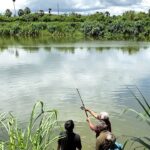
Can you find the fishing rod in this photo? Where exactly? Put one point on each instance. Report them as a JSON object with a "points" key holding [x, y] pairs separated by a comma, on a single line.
{"points": [[83, 106]]}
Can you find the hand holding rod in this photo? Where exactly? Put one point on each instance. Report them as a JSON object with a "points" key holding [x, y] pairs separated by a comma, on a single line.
{"points": [[82, 102]]}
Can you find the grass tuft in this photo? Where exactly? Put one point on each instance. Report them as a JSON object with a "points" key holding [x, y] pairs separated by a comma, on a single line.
{"points": [[38, 135]]}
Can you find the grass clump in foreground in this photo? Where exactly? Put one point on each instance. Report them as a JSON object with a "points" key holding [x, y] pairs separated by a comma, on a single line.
{"points": [[38, 135], [144, 142]]}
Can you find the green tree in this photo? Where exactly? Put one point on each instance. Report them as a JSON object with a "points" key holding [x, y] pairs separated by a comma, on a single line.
{"points": [[8, 13], [41, 13], [49, 10], [20, 12], [14, 7], [27, 10], [129, 15], [107, 13]]}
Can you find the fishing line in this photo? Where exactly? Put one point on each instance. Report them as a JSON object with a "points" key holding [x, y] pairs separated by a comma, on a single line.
{"points": [[75, 86]]}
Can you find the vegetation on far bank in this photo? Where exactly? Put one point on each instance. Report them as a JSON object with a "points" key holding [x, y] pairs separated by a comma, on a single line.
{"points": [[129, 25]]}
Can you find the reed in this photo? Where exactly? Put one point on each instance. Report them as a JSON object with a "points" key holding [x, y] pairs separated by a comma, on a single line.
{"points": [[145, 116], [38, 135]]}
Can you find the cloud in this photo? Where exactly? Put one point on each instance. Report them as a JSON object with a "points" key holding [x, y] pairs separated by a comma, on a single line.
{"points": [[120, 2], [79, 5]]}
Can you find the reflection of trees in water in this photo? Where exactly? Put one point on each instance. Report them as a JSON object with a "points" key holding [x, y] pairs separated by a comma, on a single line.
{"points": [[12, 51], [100, 49], [49, 49], [3, 48], [17, 53], [31, 48], [34, 41], [35, 44], [66, 49], [130, 50]]}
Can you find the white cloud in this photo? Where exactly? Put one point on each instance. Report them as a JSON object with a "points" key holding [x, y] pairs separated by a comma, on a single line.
{"points": [[9, 4], [115, 7]]}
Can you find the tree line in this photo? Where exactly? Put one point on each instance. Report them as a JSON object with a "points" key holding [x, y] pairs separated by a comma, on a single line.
{"points": [[100, 25], [21, 12]]}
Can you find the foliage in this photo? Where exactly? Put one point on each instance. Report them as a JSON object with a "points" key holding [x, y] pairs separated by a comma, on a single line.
{"points": [[29, 18], [20, 12], [27, 10], [145, 116], [129, 25], [38, 135], [41, 13], [8, 13], [94, 29]]}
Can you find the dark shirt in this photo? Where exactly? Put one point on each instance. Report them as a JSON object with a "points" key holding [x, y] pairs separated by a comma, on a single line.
{"points": [[69, 141]]}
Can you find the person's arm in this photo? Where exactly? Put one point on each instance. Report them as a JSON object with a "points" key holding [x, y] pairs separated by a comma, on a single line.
{"points": [[91, 125], [94, 114]]}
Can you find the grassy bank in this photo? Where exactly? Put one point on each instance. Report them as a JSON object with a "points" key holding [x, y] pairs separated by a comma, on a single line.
{"points": [[130, 25]]}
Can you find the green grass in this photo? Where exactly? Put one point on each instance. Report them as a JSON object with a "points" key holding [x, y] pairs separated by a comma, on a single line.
{"points": [[38, 135]]}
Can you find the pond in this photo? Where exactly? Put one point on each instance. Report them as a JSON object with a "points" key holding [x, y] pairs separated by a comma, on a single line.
{"points": [[101, 70]]}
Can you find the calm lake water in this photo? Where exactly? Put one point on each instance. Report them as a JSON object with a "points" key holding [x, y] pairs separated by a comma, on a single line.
{"points": [[101, 71]]}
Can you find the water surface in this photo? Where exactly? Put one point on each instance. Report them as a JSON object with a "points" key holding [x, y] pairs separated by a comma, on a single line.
{"points": [[101, 71]]}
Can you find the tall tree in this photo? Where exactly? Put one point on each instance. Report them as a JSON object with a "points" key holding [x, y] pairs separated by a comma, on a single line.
{"points": [[107, 13], [49, 10], [8, 13], [20, 12], [27, 10], [41, 13], [14, 7]]}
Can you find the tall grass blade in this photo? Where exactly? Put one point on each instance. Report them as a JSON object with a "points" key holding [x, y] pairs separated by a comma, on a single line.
{"points": [[143, 97], [39, 133], [125, 143], [142, 142], [144, 108]]}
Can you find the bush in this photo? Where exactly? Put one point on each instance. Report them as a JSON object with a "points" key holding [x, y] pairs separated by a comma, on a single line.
{"points": [[29, 17], [94, 29]]}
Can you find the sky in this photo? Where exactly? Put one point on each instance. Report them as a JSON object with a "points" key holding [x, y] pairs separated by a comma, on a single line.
{"points": [[79, 6]]}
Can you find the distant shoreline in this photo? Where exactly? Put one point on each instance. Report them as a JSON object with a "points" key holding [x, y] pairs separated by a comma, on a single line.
{"points": [[100, 26]]}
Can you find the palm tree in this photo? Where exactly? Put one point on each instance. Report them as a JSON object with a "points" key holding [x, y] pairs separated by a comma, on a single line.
{"points": [[27, 10], [14, 7], [58, 6], [8, 13], [49, 10]]}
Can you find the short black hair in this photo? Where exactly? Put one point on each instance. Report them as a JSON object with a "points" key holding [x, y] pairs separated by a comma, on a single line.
{"points": [[69, 125]]}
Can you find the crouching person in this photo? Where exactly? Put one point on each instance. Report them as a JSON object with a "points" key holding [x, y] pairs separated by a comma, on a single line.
{"points": [[107, 141]]}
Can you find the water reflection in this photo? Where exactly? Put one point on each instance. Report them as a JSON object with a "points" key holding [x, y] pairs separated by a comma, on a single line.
{"points": [[101, 70], [69, 45], [129, 50]]}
